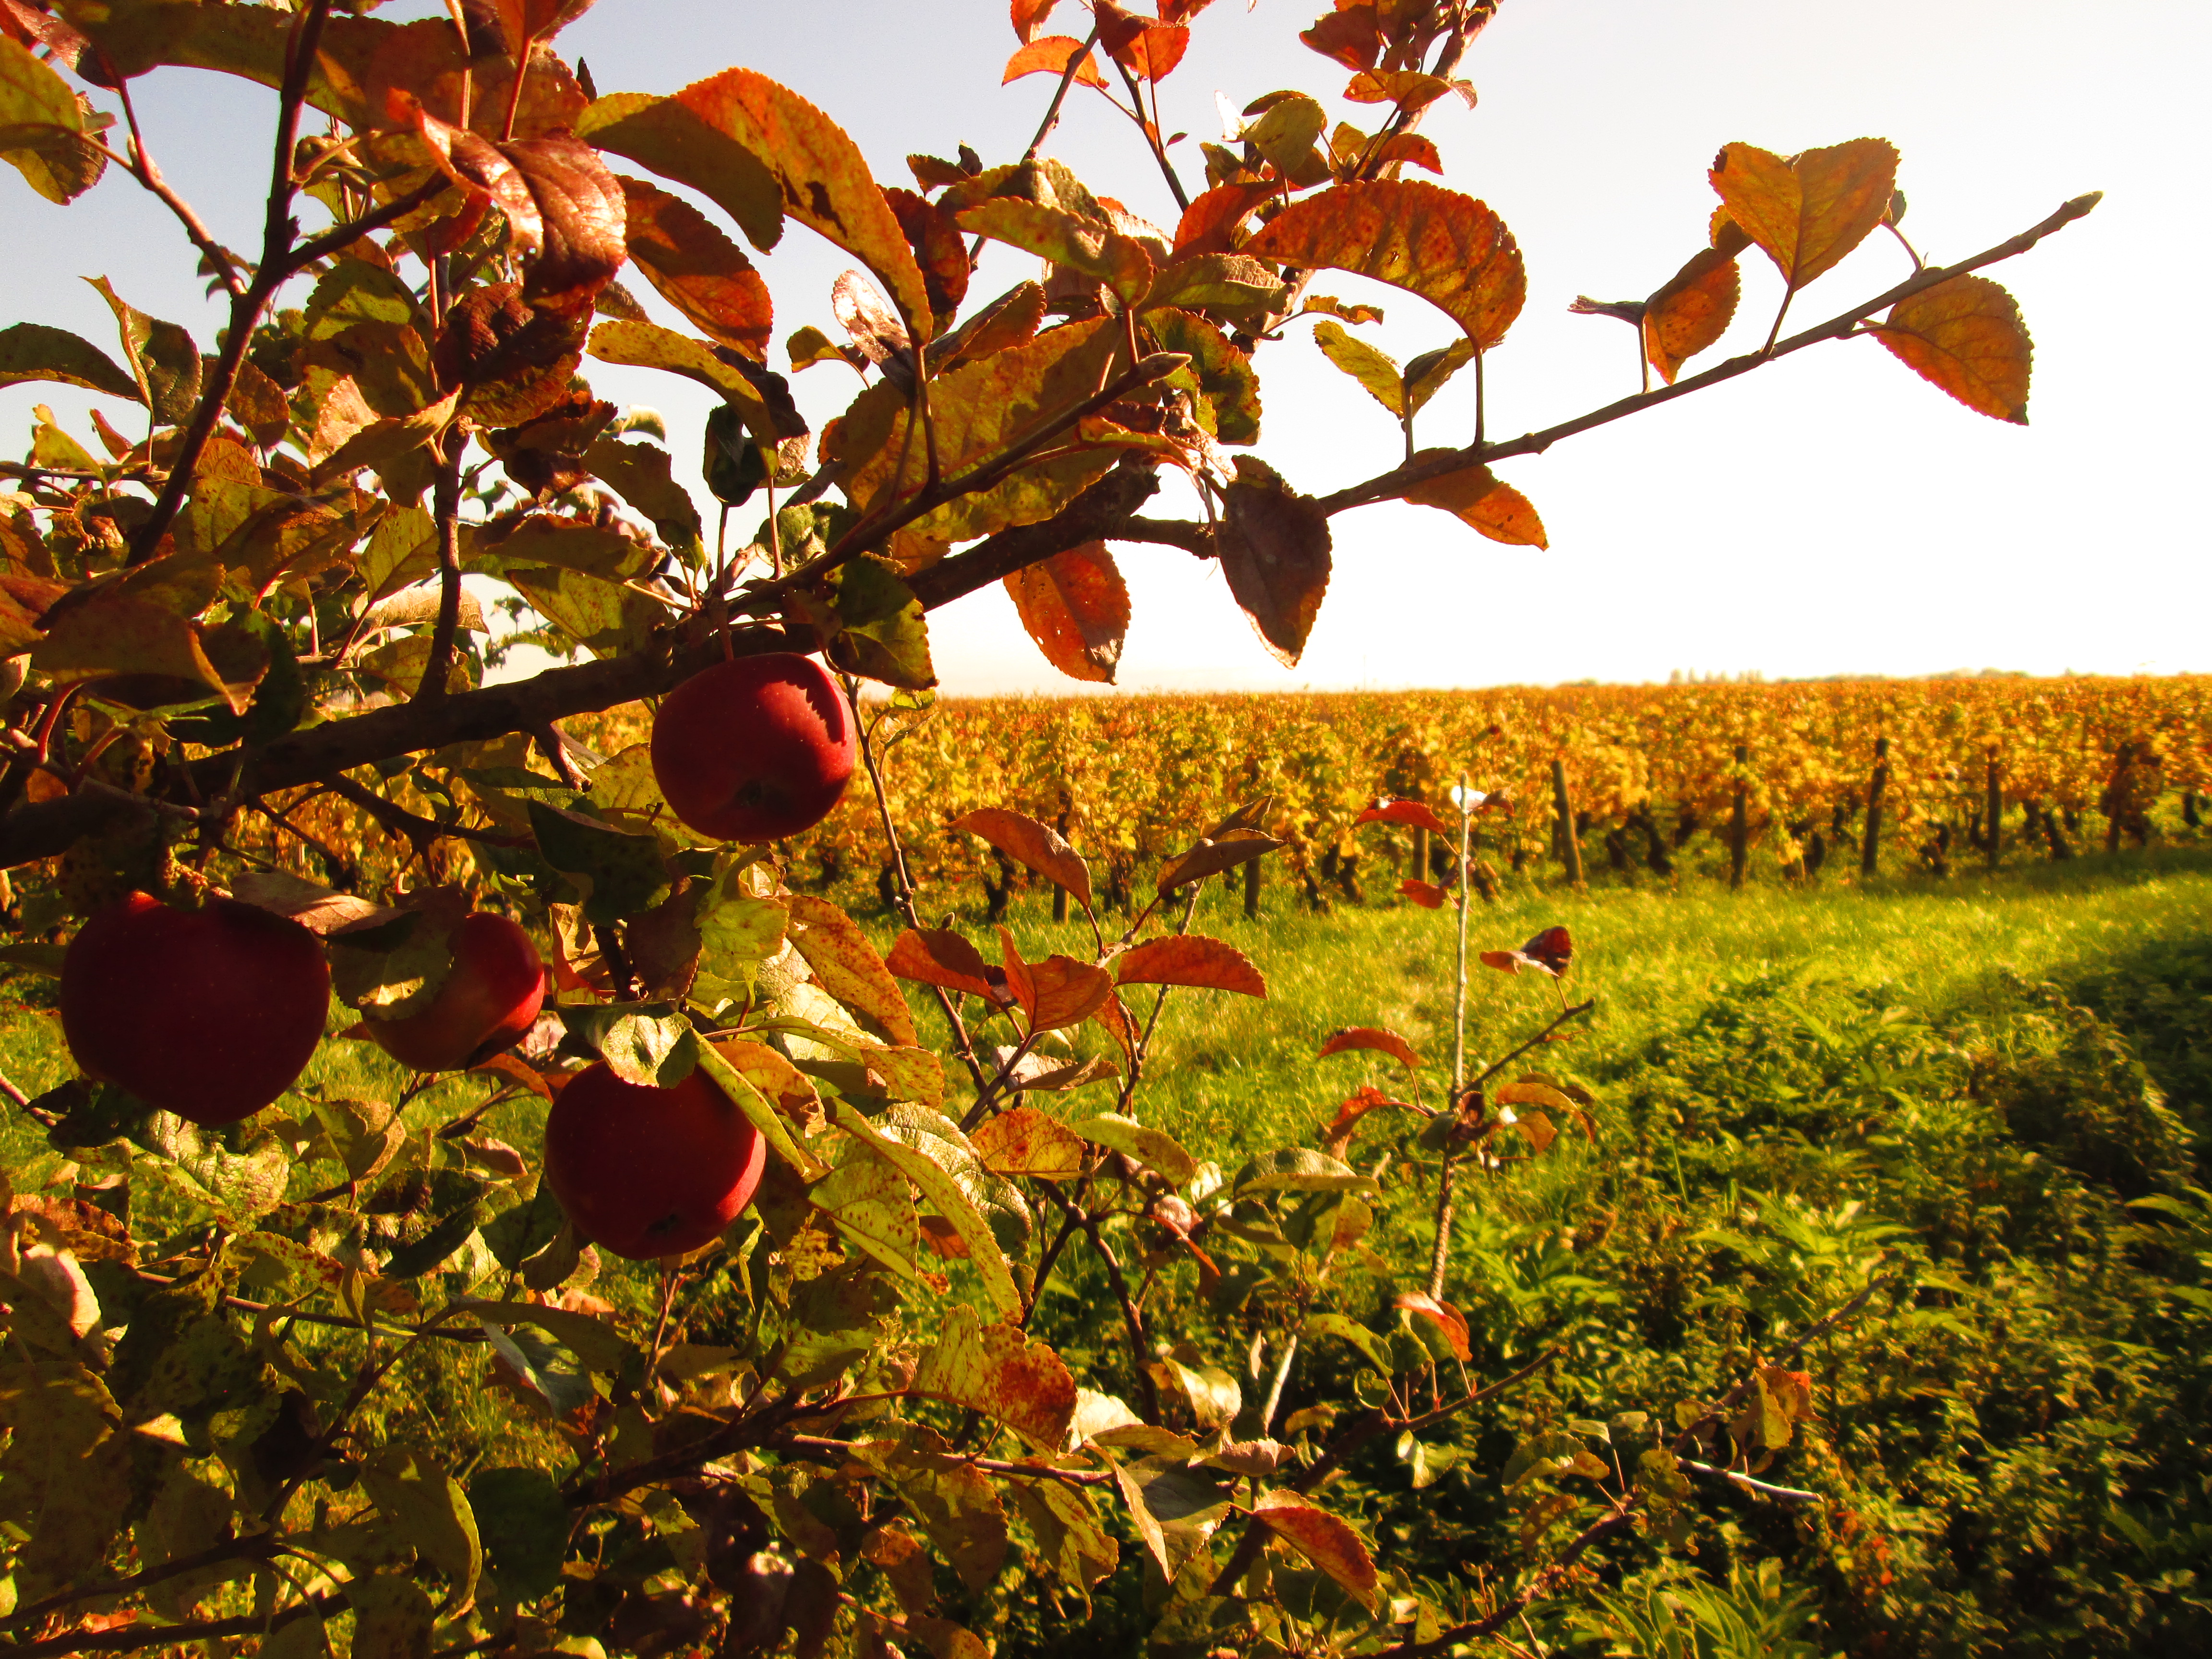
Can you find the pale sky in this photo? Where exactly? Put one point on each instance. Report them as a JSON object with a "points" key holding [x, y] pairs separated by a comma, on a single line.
{"points": [[1832, 513]]}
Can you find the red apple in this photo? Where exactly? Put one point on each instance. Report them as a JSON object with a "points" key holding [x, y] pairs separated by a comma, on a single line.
{"points": [[209, 1014], [755, 749], [649, 1172], [486, 1002]]}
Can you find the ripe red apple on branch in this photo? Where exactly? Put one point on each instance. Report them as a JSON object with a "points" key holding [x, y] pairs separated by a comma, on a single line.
{"points": [[486, 1003], [209, 1014], [648, 1172], [754, 749]]}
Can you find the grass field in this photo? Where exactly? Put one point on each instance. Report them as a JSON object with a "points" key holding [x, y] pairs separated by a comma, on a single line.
{"points": [[1989, 1093]]}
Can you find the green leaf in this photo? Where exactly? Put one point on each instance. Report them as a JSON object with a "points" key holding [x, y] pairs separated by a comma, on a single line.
{"points": [[640, 474], [1222, 375], [1155, 1149], [392, 1618], [668, 137], [161, 354], [619, 873], [32, 351], [938, 1184], [1299, 1169], [431, 1512], [867, 1198], [1090, 248], [42, 127], [1375, 370], [63, 1477], [955, 1502], [1217, 281], [524, 1523], [239, 1186], [594, 1341], [760, 1113], [1285, 134], [113, 633], [880, 630], [648, 345], [1175, 1508], [1369, 1343], [1426, 374], [995, 1370]]}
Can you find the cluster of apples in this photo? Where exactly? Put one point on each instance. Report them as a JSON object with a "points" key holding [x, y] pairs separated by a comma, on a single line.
{"points": [[212, 1013]]}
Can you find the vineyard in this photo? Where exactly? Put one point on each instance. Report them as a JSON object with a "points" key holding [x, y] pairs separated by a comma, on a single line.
{"points": [[1651, 772]]}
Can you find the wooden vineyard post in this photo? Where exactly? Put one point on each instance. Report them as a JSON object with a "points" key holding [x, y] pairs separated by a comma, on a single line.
{"points": [[2117, 795], [1739, 820], [1059, 893], [1571, 846], [1420, 870], [1877, 787], [1252, 889], [1993, 810]]}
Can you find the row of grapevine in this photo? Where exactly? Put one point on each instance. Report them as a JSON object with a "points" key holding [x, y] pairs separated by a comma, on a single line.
{"points": [[1130, 779]]}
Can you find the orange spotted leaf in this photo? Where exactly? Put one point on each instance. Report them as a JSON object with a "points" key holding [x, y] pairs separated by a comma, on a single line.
{"points": [[1049, 56], [1485, 502], [1690, 312], [1038, 846], [1449, 249], [1809, 211], [1965, 336]]}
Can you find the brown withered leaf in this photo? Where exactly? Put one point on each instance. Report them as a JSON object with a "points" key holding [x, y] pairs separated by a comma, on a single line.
{"points": [[1486, 503], [1190, 959], [564, 209], [934, 236], [1274, 546], [1965, 336], [1076, 607], [696, 269], [1048, 56], [824, 178], [1449, 249], [1353, 1037], [1426, 894], [1809, 211], [1224, 850], [1038, 846], [1690, 311], [938, 956]]}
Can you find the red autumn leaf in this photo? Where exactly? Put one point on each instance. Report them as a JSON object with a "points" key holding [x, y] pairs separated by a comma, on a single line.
{"points": [[1365, 1099], [1964, 336], [1428, 894], [1690, 311], [1322, 1539], [1442, 1316], [1190, 959], [1371, 1036], [1049, 57], [1153, 54], [1419, 814], [1349, 36], [1809, 211], [1038, 846], [1411, 147], [1485, 502], [1118, 27], [1448, 248], [938, 956], [1274, 545], [1076, 607], [696, 269], [1211, 224], [1115, 1018], [1056, 992], [1550, 951], [1026, 15]]}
